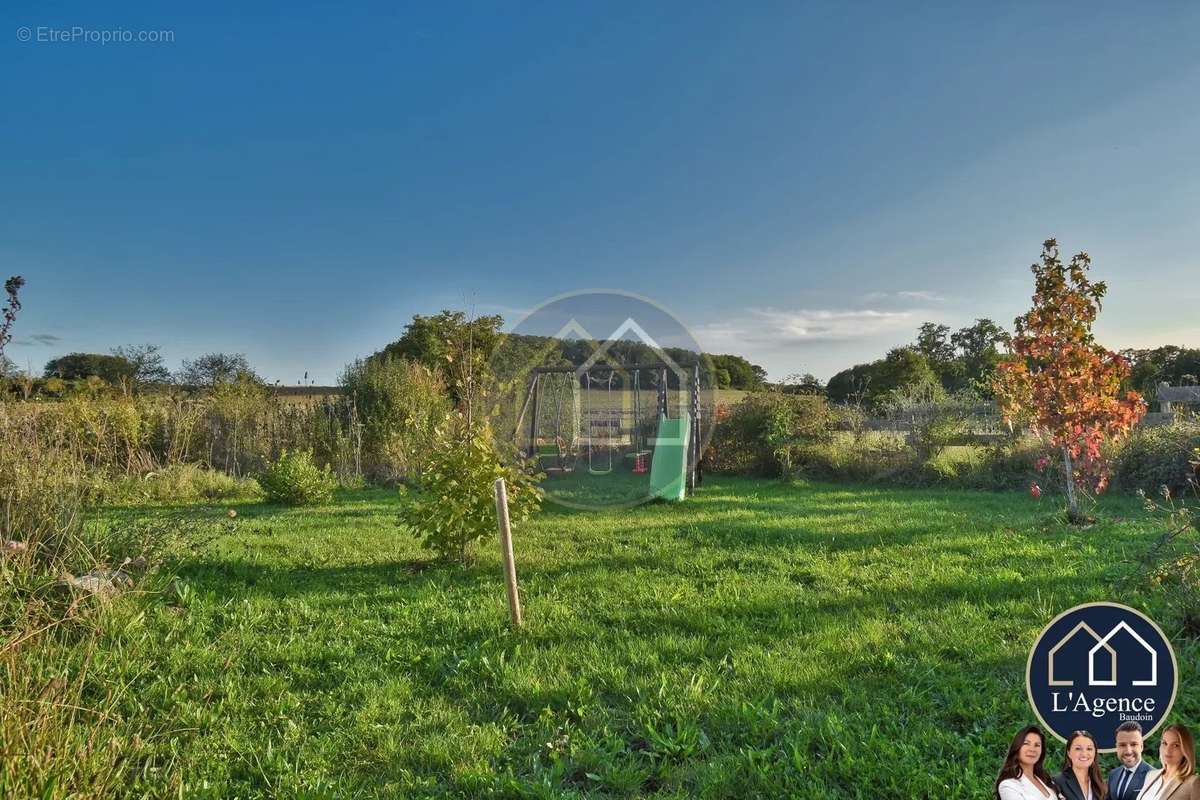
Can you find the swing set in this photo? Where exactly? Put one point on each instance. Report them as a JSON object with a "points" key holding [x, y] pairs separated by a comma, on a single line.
{"points": [[594, 427]]}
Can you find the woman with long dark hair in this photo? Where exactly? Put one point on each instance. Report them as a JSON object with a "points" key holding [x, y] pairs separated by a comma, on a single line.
{"points": [[1023, 777], [1081, 778]]}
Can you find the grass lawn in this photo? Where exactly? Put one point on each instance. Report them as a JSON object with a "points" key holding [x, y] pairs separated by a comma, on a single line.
{"points": [[759, 640]]}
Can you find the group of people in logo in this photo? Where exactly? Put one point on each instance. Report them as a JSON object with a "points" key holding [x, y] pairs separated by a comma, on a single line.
{"points": [[1023, 776]]}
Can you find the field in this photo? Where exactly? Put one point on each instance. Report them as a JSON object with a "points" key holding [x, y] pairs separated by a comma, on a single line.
{"points": [[759, 640]]}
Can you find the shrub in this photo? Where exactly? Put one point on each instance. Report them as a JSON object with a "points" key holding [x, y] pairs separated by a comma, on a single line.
{"points": [[873, 456], [239, 407], [735, 447], [179, 482], [401, 403], [110, 432], [796, 425], [851, 417], [1173, 562], [454, 504], [239, 428], [1155, 457], [1009, 464], [295, 480], [934, 419], [41, 484], [767, 433]]}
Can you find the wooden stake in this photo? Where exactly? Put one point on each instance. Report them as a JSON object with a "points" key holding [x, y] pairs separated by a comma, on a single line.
{"points": [[506, 552]]}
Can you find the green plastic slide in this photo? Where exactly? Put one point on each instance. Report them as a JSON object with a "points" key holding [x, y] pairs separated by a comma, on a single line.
{"points": [[668, 467]]}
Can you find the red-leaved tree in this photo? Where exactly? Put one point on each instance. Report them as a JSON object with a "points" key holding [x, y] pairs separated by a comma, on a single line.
{"points": [[1062, 384]]}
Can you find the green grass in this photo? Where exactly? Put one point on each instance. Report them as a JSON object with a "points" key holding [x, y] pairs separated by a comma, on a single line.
{"points": [[582, 489], [760, 640]]}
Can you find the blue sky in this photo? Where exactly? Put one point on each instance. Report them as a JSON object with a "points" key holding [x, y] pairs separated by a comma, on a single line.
{"points": [[800, 183]]}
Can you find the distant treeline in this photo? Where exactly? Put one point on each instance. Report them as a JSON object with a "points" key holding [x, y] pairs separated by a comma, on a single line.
{"points": [[966, 360], [432, 340], [952, 360]]}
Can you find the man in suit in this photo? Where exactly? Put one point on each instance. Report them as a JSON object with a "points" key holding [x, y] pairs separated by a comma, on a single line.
{"points": [[1126, 781]]}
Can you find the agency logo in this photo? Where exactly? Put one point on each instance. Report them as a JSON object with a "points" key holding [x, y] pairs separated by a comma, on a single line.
{"points": [[1098, 665], [610, 395]]}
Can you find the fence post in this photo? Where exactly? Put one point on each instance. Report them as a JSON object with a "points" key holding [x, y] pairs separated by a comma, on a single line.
{"points": [[506, 551], [694, 454]]}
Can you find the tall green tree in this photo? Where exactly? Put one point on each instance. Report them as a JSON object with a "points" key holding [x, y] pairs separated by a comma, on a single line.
{"points": [[980, 340], [933, 341], [981, 347], [853, 385], [936, 343], [1177, 366], [214, 369], [737, 371], [111, 369], [436, 339], [147, 362], [903, 368], [806, 384]]}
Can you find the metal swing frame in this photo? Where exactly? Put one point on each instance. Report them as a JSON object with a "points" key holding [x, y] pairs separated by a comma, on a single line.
{"points": [[610, 418], [694, 475]]}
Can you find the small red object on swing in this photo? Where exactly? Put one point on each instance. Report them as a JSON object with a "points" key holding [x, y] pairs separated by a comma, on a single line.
{"points": [[639, 464]]}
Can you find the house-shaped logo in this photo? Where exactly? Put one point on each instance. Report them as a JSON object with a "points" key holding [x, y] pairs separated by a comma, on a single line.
{"points": [[1103, 651], [628, 326]]}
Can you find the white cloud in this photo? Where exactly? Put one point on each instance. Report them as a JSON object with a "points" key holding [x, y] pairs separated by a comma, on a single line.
{"points": [[910, 294], [932, 297], [777, 328]]}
